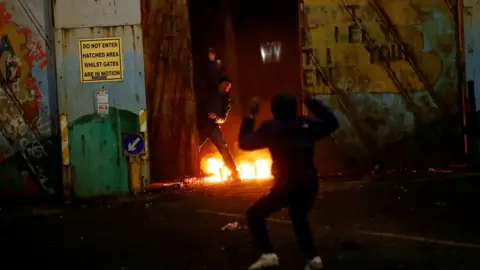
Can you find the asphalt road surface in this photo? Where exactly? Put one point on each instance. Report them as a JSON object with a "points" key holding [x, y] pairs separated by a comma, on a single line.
{"points": [[415, 224]]}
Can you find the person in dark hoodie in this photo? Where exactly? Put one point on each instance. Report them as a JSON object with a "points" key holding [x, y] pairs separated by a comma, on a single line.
{"points": [[213, 112], [290, 140]]}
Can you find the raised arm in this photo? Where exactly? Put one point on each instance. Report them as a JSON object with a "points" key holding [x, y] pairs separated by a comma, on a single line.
{"points": [[325, 122], [248, 139]]}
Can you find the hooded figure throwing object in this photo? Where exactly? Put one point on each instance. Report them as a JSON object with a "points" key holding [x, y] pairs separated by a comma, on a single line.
{"points": [[290, 140]]}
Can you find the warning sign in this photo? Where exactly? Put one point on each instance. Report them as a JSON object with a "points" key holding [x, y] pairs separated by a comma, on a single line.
{"points": [[100, 60]]}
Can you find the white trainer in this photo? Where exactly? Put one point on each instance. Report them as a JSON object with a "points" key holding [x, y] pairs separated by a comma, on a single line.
{"points": [[266, 260], [315, 263]]}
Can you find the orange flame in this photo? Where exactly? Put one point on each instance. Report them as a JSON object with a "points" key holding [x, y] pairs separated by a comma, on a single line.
{"points": [[254, 166]]}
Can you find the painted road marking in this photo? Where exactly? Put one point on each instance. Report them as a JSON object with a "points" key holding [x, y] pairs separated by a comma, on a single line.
{"points": [[240, 216], [421, 239], [381, 234], [331, 188], [358, 182]]}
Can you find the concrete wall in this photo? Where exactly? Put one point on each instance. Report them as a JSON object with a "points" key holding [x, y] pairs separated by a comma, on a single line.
{"points": [[471, 15], [27, 62], [393, 112], [471, 49]]}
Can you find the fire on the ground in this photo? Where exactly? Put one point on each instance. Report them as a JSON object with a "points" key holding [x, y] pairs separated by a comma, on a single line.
{"points": [[252, 166]]}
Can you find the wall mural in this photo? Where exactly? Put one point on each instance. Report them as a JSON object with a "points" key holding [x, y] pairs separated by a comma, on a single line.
{"points": [[25, 117], [387, 67]]}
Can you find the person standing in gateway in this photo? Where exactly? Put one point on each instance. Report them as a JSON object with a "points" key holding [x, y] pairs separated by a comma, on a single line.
{"points": [[213, 111]]}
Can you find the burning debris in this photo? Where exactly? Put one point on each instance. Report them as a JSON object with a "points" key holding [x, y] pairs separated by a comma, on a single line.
{"points": [[253, 167]]}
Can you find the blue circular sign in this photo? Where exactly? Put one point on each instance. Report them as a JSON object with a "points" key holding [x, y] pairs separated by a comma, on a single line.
{"points": [[134, 144]]}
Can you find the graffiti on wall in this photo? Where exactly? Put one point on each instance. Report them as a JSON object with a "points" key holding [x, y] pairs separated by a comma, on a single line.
{"points": [[24, 110], [360, 57]]}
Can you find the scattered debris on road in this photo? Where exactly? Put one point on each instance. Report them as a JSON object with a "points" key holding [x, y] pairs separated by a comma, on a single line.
{"points": [[233, 226]]}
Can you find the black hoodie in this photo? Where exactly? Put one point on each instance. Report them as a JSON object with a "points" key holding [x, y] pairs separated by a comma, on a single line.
{"points": [[291, 142]]}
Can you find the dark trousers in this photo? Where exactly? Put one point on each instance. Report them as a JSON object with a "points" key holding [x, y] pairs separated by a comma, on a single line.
{"points": [[214, 134], [298, 200]]}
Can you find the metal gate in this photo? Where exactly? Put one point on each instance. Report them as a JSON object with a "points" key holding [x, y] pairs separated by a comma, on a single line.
{"points": [[101, 92]]}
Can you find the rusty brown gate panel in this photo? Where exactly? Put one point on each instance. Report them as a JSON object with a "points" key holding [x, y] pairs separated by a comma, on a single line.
{"points": [[388, 68], [268, 28], [170, 98], [237, 29]]}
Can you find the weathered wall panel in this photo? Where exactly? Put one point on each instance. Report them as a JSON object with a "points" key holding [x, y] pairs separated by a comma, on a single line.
{"points": [[393, 111], [98, 166], [27, 62], [471, 15], [93, 13], [471, 49], [170, 98]]}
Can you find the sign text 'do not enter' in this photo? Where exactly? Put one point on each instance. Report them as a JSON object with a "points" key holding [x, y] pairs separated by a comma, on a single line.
{"points": [[101, 60]]}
